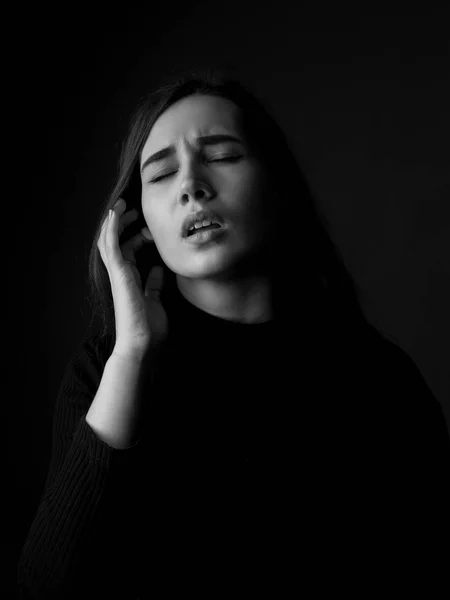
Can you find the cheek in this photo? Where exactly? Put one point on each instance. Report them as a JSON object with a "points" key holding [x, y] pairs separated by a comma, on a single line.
{"points": [[255, 216], [251, 201], [151, 216], [161, 227]]}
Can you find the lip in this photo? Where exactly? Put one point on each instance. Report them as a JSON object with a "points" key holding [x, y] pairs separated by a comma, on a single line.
{"points": [[202, 237], [202, 215]]}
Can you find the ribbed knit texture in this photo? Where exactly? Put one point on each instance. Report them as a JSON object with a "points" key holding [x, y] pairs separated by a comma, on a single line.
{"points": [[245, 474]]}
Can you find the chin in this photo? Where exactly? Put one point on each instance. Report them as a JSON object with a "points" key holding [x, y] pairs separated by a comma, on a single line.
{"points": [[202, 267]]}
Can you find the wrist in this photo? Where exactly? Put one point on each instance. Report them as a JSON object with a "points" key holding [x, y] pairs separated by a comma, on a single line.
{"points": [[129, 354], [137, 353]]}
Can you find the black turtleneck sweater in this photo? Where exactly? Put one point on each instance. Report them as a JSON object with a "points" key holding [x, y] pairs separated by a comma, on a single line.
{"points": [[260, 460]]}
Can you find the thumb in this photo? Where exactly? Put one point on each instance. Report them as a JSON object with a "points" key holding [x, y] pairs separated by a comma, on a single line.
{"points": [[154, 283]]}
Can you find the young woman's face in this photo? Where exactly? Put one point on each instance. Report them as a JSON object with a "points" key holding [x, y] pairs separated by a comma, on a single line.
{"points": [[192, 178]]}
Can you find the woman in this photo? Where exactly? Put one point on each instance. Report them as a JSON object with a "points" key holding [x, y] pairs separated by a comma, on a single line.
{"points": [[196, 446]]}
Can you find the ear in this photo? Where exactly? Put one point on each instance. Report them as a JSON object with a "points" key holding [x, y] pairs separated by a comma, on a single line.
{"points": [[146, 233]]}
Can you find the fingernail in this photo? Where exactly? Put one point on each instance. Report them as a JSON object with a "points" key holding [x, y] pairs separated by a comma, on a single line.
{"points": [[110, 214]]}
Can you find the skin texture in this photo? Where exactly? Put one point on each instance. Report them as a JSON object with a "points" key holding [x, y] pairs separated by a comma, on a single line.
{"points": [[228, 277]]}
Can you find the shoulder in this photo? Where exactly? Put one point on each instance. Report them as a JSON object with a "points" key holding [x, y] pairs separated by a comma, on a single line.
{"points": [[396, 366], [401, 387]]}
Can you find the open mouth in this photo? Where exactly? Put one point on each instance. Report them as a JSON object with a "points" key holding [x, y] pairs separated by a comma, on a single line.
{"points": [[203, 228]]}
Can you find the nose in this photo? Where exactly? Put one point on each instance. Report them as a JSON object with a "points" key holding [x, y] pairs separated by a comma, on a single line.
{"points": [[193, 189]]}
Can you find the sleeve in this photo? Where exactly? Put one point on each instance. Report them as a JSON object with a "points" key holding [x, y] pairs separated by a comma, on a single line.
{"points": [[79, 533]]}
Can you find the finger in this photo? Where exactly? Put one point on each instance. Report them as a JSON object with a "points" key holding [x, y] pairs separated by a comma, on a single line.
{"points": [[120, 206], [101, 241], [147, 234], [131, 246], [112, 249], [105, 223], [126, 219], [154, 283]]}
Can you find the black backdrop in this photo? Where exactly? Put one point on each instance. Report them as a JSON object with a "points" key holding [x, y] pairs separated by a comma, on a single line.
{"points": [[364, 97]]}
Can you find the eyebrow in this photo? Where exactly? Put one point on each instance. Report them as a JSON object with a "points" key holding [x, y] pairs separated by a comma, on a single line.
{"points": [[206, 140]]}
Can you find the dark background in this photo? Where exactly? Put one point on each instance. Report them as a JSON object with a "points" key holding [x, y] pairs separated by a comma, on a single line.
{"points": [[364, 97]]}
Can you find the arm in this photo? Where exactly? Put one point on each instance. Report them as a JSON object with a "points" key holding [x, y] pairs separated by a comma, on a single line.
{"points": [[116, 410], [80, 535]]}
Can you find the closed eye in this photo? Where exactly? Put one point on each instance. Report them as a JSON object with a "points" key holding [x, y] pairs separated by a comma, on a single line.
{"points": [[224, 159]]}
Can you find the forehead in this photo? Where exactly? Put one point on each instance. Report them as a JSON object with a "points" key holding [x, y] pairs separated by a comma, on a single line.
{"points": [[192, 117]]}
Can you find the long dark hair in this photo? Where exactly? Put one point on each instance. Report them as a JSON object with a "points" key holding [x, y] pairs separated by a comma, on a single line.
{"points": [[309, 270]]}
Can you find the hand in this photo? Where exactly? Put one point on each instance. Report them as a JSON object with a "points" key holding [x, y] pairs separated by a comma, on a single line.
{"points": [[141, 320]]}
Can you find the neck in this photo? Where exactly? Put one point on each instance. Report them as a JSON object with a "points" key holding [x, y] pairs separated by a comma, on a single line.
{"points": [[246, 299]]}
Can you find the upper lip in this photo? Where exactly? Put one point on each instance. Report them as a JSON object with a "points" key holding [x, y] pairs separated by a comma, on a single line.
{"points": [[202, 215]]}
